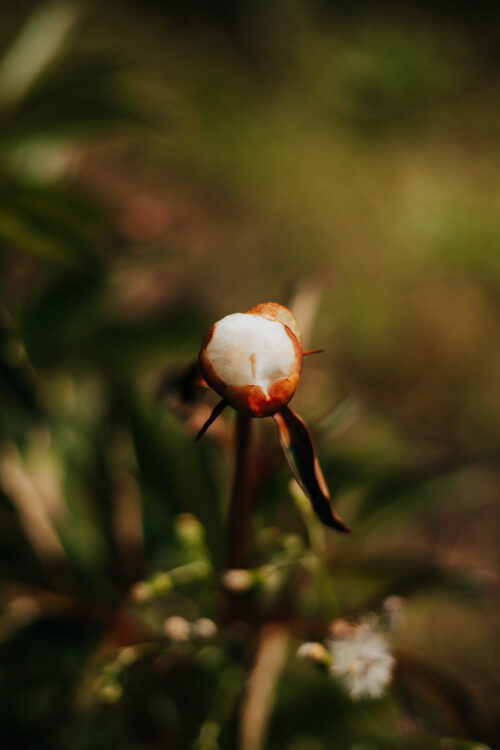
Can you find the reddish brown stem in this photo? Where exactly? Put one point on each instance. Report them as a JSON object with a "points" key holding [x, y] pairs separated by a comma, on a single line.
{"points": [[241, 496]]}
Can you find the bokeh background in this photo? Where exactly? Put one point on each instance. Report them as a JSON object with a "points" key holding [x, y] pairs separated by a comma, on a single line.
{"points": [[163, 164]]}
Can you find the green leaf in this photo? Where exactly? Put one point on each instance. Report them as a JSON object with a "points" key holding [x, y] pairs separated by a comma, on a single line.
{"points": [[366, 582], [48, 223], [18, 560], [68, 308], [403, 494], [79, 98], [175, 475], [18, 384]]}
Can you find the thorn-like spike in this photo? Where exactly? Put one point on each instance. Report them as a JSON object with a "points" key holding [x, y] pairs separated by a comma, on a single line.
{"points": [[312, 351], [216, 411]]}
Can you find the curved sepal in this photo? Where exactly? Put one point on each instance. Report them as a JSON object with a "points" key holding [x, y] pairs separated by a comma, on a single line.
{"points": [[217, 410], [298, 448]]}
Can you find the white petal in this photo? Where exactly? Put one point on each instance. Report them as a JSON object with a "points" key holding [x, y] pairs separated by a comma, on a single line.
{"points": [[248, 349]]}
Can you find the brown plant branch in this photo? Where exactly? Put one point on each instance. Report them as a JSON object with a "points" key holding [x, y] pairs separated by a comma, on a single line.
{"points": [[241, 496]]}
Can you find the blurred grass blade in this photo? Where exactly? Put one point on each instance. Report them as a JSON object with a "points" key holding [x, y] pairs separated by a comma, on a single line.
{"points": [[18, 386], [174, 476], [31, 509], [429, 683], [225, 696], [405, 493], [77, 100], [298, 448], [258, 702], [18, 559], [304, 305], [39, 43], [52, 224], [67, 308], [367, 582]]}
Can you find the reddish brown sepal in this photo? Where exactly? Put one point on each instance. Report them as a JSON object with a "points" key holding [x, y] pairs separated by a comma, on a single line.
{"points": [[275, 311], [253, 402], [298, 448]]}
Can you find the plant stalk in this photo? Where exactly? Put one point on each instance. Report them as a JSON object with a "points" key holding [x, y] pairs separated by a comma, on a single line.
{"points": [[242, 494]]}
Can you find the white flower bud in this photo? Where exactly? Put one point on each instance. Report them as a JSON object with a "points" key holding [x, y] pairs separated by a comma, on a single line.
{"points": [[205, 628], [253, 359], [238, 580], [141, 592], [177, 628]]}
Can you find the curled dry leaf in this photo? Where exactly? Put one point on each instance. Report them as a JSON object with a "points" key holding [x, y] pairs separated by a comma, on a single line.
{"points": [[298, 448]]}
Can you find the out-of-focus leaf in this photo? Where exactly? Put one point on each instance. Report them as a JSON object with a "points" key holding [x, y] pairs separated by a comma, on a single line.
{"points": [[309, 704], [298, 448], [36, 47], [176, 476], [225, 697], [403, 494], [364, 584], [87, 530], [82, 494], [49, 223], [353, 468], [18, 561], [118, 343], [393, 77], [67, 309], [36, 697], [76, 99], [435, 690], [18, 388], [270, 659], [72, 308], [16, 233]]}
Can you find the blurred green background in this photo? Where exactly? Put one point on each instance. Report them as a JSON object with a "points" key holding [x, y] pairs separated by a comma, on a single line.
{"points": [[165, 164]]}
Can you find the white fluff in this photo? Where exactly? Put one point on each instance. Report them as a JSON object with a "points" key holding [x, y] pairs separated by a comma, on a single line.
{"points": [[363, 662], [251, 350]]}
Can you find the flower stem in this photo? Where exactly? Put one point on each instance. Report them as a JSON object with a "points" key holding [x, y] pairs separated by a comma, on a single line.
{"points": [[241, 496]]}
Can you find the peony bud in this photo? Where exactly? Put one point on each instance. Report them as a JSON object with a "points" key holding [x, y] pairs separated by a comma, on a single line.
{"points": [[253, 359]]}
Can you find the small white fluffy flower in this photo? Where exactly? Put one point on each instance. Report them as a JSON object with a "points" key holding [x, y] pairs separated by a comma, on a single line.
{"points": [[177, 628], [205, 628], [238, 580], [362, 661]]}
